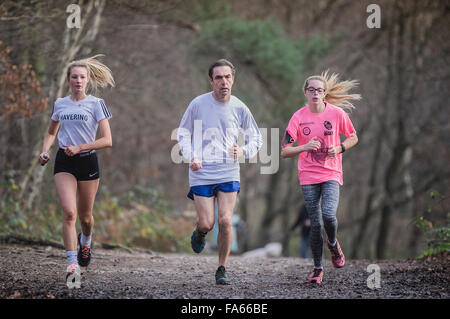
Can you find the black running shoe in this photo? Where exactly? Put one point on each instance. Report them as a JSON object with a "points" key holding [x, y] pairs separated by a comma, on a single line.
{"points": [[221, 276], [198, 241], [84, 253]]}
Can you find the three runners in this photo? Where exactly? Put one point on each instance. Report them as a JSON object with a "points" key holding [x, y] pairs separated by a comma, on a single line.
{"points": [[208, 135]]}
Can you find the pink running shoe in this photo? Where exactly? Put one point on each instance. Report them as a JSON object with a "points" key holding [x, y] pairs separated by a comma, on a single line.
{"points": [[337, 256], [316, 276]]}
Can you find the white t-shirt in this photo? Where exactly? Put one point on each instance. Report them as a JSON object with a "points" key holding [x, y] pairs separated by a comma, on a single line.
{"points": [[79, 119]]}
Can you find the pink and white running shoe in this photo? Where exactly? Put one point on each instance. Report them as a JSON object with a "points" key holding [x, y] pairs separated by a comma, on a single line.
{"points": [[316, 276], [73, 276], [337, 256]]}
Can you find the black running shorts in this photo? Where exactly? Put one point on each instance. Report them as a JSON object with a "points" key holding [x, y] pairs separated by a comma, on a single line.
{"points": [[84, 166]]}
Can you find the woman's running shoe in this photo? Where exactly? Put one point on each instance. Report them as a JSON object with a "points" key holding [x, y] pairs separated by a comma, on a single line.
{"points": [[316, 276], [73, 276], [84, 253], [337, 256]]}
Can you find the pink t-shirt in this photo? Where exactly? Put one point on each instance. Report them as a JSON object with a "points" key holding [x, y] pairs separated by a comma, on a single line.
{"points": [[316, 167]]}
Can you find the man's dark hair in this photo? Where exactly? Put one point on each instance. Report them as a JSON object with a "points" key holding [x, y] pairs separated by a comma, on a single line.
{"points": [[221, 62]]}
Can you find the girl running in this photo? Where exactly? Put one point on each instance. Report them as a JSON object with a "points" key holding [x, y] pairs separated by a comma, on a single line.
{"points": [[317, 127], [77, 117]]}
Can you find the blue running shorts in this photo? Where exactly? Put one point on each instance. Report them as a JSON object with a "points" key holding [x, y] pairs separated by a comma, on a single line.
{"points": [[211, 190]]}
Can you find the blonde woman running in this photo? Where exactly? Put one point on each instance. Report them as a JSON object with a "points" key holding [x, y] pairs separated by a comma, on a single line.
{"points": [[317, 127], [76, 170]]}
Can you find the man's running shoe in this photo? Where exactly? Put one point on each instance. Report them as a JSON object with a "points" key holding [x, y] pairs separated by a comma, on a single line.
{"points": [[337, 256], [221, 276], [316, 276], [198, 241], [73, 276], [84, 253]]}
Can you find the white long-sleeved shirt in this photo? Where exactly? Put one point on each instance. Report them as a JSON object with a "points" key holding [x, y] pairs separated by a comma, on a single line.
{"points": [[207, 131]]}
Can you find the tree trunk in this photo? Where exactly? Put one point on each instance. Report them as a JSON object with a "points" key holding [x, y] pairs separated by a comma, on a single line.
{"points": [[271, 199], [399, 146], [368, 211], [286, 207]]}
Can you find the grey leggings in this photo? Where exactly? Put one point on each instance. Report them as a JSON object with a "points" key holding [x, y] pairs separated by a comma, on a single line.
{"points": [[321, 214]]}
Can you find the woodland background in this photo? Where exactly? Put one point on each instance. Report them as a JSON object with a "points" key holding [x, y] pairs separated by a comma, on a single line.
{"points": [[394, 203]]}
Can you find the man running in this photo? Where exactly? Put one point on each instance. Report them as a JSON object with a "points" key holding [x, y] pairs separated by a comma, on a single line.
{"points": [[208, 136]]}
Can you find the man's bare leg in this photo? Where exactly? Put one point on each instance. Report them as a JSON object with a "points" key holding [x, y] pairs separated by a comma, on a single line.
{"points": [[226, 203]]}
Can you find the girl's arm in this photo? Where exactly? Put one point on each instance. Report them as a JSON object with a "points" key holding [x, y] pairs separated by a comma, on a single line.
{"points": [[49, 138], [348, 143], [291, 151], [104, 141]]}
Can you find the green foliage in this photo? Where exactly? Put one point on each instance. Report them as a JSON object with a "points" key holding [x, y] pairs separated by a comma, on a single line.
{"points": [[203, 10], [260, 44], [43, 223], [11, 215], [278, 62], [437, 236], [141, 217], [317, 47]]}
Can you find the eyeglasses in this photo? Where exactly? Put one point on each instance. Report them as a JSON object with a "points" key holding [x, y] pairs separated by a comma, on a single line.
{"points": [[312, 90]]}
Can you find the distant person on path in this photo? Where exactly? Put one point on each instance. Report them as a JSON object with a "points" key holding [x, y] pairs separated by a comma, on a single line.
{"points": [[305, 223], [208, 135], [76, 169], [317, 127]]}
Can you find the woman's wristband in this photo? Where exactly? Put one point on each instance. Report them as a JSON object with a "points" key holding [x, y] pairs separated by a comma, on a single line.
{"points": [[342, 148]]}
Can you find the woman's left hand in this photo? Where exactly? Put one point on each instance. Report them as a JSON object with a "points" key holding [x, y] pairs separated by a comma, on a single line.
{"points": [[334, 150], [72, 150]]}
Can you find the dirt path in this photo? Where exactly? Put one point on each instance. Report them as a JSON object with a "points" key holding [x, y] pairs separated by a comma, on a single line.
{"points": [[38, 272]]}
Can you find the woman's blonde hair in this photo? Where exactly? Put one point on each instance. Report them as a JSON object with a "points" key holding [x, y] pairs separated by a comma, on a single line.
{"points": [[336, 92], [98, 73]]}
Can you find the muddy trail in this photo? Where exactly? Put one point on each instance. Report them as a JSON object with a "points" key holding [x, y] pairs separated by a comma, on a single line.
{"points": [[39, 272]]}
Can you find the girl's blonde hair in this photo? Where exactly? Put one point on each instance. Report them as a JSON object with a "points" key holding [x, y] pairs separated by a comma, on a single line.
{"points": [[99, 74], [336, 92]]}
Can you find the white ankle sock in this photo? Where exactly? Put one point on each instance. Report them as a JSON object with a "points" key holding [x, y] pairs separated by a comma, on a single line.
{"points": [[71, 257], [85, 240]]}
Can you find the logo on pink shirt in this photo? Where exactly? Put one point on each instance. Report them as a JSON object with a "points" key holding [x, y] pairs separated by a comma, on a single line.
{"points": [[321, 154], [306, 130]]}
